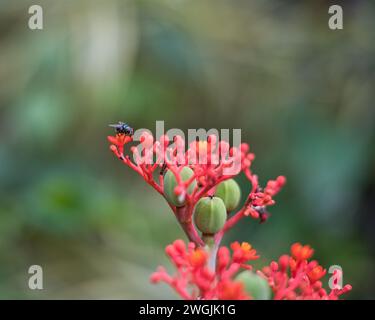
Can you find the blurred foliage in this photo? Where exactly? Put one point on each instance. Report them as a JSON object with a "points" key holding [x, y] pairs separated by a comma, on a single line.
{"points": [[302, 94]]}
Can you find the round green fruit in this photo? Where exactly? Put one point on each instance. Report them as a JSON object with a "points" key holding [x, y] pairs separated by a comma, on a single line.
{"points": [[210, 215], [230, 192], [256, 286], [170, 183]]}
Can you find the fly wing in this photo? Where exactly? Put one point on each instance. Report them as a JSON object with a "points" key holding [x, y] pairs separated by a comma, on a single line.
{"points": [[115, 125]]}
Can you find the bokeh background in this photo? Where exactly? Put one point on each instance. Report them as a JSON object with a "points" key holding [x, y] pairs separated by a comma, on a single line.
{"points": [[302, 94]]}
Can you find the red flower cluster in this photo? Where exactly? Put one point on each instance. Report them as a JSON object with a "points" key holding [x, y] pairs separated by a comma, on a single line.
{"points": [[204, 269], [195, 279], [294, 277], [291, 278], [212, 162]]}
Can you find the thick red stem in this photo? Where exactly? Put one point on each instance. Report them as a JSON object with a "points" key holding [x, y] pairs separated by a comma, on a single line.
{"points": [[184, 217]]}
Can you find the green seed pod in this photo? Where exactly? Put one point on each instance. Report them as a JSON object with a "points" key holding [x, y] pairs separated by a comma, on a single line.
{"points": [[230, 192], [170, 183], [256, 286], [210, 215]]}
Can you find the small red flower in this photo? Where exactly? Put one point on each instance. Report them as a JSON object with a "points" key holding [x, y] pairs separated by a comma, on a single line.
{"points": [[243, 252], [232, 290], [300, 252], [198, 258], [117, 143], [119, 139], [316, 273], [274, 186]]}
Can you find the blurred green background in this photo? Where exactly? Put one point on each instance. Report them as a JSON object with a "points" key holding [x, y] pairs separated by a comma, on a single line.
{"points": [[302, 94]]}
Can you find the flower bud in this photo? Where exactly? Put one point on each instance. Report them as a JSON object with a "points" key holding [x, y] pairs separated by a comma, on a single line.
{"points": [[256, 286], [170, 183], [210, 215], [230, 192]]}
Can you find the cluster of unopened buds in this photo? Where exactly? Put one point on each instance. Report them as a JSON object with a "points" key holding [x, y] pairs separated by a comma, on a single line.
{"points": [[199, 186]]}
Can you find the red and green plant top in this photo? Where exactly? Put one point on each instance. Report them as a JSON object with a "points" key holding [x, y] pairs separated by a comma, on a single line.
{"points": [[204, 197]]}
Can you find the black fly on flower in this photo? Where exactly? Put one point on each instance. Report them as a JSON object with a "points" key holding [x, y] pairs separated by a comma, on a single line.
{"points": [[123, 128]]}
